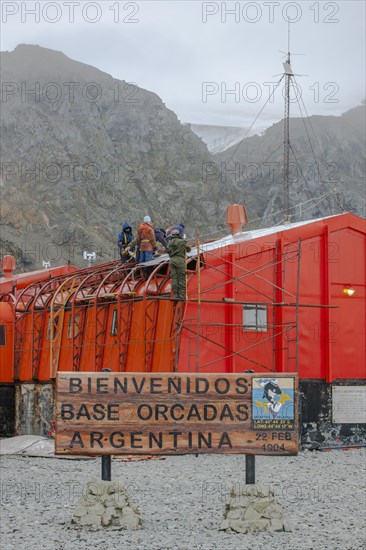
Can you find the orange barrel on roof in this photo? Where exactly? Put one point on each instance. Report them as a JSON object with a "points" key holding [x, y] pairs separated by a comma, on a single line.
{"points": [[236, 217]]}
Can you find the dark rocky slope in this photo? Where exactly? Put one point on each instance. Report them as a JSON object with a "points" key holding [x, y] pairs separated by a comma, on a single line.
{"points": [[327, 172], [101, 151]]}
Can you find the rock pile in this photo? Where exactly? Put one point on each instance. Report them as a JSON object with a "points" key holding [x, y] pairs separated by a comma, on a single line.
{"points": [[106, 504], [252, 508]]}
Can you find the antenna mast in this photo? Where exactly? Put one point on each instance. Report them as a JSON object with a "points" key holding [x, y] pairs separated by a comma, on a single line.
{"points": [[286, 143]]}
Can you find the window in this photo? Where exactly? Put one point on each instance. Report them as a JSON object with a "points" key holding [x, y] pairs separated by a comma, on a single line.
{"points": [[76, 326], [69, 331], [114, 326], [2, 335], [55, 325], [255, 317]]}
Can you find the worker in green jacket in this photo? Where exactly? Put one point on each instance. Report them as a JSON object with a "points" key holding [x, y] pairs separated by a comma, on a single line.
{"points": [[177, 249]]}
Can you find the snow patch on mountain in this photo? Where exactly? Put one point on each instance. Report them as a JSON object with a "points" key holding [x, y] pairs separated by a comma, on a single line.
{"points": [[220, 138]]}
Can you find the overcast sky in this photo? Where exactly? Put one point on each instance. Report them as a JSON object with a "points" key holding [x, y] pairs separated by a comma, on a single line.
{"points": [[193, 53]]}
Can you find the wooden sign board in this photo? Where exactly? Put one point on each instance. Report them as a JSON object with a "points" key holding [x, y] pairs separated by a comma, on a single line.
{"points": [[169, 413]]}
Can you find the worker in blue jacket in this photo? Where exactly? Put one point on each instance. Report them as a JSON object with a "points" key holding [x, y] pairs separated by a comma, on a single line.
{"points": [[124, 240]]}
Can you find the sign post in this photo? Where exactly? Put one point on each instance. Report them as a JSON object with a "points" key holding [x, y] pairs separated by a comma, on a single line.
{"points": [[109, 413], [106, 468], [106, 459], [250, 469]]}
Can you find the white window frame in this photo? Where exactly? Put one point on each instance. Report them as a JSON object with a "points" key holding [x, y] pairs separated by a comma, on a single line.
{"points": [[3, 335], [258, 315], [114, 325], [55, 329]]}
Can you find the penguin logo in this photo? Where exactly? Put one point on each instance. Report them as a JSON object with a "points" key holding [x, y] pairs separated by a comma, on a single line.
{"points": [[271, 390]]}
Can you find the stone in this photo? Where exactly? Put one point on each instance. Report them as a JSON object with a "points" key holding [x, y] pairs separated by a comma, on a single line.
{"points": [[114, 487], [132, 522], [251, 515], [239, 500], [84, 521], [262, 504], [273, 511], [98, 509], [110, 500], [265, 491], [79, 511], [90, 520], [121, 503], [130, 519], [106, 505], [113, 512], [225, 524], [234, 514], [253, 508], [276, 525], [249, 490], [238, 526], [286, 526], [107, 517], [95, 488], [95, 519], [259, 525], [127, 512], [89, 501]]}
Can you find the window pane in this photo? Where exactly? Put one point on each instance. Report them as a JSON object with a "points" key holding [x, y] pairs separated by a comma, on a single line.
{"points": [[2, 335], [69, 332], [249, 317], [262, 318], [77, 323], [114, 323], [255, 317], [55, 325]]}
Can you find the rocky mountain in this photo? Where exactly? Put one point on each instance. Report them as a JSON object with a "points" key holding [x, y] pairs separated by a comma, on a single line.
{"points": [[220, 138], [82, 151], [327, 168]]}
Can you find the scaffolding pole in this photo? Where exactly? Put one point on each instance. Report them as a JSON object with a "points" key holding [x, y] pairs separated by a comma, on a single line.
{"points": [[297, 304]]}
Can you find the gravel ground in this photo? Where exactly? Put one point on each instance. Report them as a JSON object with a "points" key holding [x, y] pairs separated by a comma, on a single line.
{"points": [[181, 500]]}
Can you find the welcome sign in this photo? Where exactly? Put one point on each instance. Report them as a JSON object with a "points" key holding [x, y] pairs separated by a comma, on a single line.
{"points": [[170, 413]]}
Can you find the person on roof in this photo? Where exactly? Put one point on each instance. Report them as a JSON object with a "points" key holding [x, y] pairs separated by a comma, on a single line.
{"points": [[178, 227], [160, 236], [146, 241], [177, 249], [124, 241]]}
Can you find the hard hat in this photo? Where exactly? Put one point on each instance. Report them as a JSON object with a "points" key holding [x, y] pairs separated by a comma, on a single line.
{"points": [[147, 219]]}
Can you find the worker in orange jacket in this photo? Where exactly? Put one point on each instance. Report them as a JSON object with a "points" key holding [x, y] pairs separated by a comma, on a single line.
{"points": [[146, 241]]}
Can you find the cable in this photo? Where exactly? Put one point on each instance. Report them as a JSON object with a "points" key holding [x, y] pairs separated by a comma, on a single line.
{"points": [[255, 120], [280, 211], [302, 175], [311, 146]]}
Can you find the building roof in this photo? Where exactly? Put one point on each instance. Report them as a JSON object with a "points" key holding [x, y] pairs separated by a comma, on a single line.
{"points": [[22, 280], [263, 232]]}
